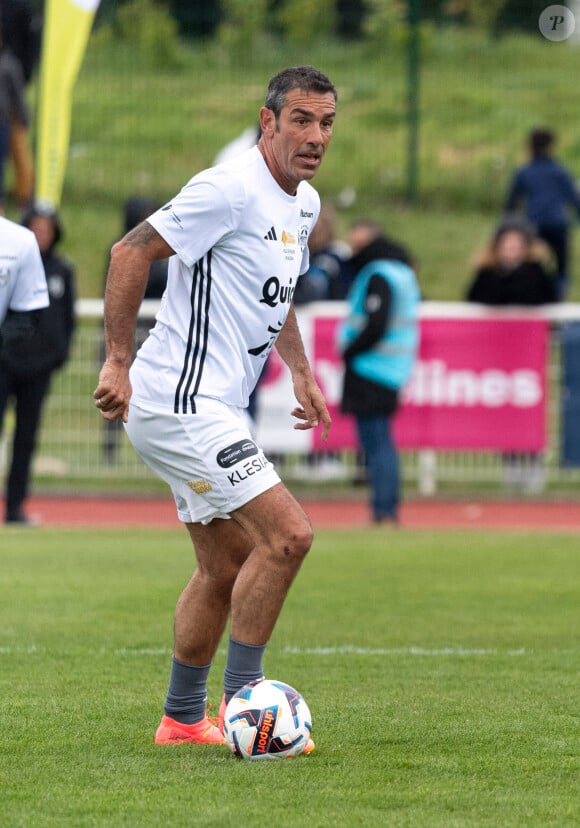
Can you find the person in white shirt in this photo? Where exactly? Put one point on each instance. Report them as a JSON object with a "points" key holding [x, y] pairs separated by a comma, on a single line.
{"points": [[23, 294], [237, 235], [23, 289]]}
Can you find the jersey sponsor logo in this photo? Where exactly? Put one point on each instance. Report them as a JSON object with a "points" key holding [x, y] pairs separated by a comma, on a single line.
{"points": [[174, 216], [200, 486], [271, 234], [235, 453], [305, 214], [265, 348], [303, 237], [273, 292], [4, 276], [247, 470], [289, 245]]}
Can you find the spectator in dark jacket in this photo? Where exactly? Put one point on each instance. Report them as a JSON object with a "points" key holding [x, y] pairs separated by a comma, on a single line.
{"points": [[512, 271], [549, 193], [26, 370], [513, 268]]}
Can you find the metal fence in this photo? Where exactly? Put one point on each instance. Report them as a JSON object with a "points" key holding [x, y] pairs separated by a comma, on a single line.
{"points": [[77, 449]]}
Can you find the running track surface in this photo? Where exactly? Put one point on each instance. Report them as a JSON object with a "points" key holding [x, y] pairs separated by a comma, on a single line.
{"points": [[160, 513]]}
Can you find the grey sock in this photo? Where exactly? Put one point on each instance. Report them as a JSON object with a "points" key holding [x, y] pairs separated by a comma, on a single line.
{"points": [[186, 695], [244, 664]]}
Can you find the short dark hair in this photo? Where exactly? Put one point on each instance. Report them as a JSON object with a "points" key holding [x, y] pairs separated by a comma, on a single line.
{"points": [[541, 141], [306, 78]]}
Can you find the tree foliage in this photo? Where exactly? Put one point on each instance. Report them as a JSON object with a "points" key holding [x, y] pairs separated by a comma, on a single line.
{"points": [[302, 21]]}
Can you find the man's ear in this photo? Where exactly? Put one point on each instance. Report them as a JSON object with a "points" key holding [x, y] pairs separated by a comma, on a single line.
{"points": [[267, 121]]}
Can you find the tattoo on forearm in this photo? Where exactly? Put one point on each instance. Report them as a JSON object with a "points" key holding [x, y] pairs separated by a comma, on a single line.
{"points": [[142, 235]]}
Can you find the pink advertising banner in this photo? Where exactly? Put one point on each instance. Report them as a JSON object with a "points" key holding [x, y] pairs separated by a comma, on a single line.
{"points": [[478, 384]]}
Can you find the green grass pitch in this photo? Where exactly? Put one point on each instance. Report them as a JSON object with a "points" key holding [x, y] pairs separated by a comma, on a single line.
{"points": [[441, 669]]}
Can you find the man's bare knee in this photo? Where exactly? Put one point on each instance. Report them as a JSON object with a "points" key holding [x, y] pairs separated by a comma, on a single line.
{"points": [[220, 549], [295, 543], [276, 520], [217, 582]]}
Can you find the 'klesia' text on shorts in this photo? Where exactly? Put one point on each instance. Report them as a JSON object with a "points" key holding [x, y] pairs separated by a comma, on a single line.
{"points": [[247, 470], [238, 454]]}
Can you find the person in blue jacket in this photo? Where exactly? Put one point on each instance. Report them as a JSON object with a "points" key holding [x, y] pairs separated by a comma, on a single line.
{"points": [[548, 192], [379, 341]]}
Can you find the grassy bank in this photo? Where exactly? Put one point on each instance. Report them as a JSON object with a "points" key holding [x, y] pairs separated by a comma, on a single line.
{"points": [[139, 129]]}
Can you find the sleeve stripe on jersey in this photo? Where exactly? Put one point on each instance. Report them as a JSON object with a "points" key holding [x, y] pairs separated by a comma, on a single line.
{"points": [[196, 349]]}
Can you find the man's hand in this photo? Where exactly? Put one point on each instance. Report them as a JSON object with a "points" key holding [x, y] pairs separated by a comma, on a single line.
{"points": [[113, 392], [312, 410]]}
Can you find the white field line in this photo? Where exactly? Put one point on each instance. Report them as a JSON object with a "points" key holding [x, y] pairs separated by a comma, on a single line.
{"points": [[404, 651], [350, 650], [30, 650]]}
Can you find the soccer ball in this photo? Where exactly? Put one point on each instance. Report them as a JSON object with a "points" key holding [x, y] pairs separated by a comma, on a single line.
{"points": [[267, 719]]}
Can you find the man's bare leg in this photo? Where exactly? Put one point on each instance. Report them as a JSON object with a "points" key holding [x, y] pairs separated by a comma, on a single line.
{"points": [[245, 565], [200, 619], [221, 548], [282, 536]]}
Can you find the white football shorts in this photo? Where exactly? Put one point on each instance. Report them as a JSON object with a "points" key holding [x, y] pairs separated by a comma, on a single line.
{"points": [[209, 459]]}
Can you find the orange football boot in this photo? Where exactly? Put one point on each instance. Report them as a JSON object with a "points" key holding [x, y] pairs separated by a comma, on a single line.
{"points": [[171, 732]]}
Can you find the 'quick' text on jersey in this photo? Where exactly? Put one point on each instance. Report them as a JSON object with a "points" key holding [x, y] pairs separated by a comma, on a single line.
{"points": [[274, 293]]}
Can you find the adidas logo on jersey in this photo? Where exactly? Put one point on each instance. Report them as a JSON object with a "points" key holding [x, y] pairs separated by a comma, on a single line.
{"points": [[271, 234]]}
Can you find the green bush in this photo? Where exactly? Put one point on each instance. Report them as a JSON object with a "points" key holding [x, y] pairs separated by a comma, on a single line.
{"points": [[243, 24], [384, 21], [485, 15], [305, 22], [150, 28]]}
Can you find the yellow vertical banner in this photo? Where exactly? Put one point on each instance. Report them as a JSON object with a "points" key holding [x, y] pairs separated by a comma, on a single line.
{"points": [[66, 29]]}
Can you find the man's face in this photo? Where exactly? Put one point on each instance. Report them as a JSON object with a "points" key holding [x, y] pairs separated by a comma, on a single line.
{"points": [[295, 143]]}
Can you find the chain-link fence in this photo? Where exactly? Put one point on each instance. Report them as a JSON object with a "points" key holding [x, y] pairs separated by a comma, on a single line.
{"points": [[77, 448], [442, 127]]}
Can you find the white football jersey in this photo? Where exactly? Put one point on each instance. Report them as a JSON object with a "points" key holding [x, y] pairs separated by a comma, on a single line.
{"points": [[22, 280], [241, 243]]}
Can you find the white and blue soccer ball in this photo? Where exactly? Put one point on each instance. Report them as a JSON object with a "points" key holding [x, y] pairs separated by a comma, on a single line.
{"points": [[267, 719]]}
